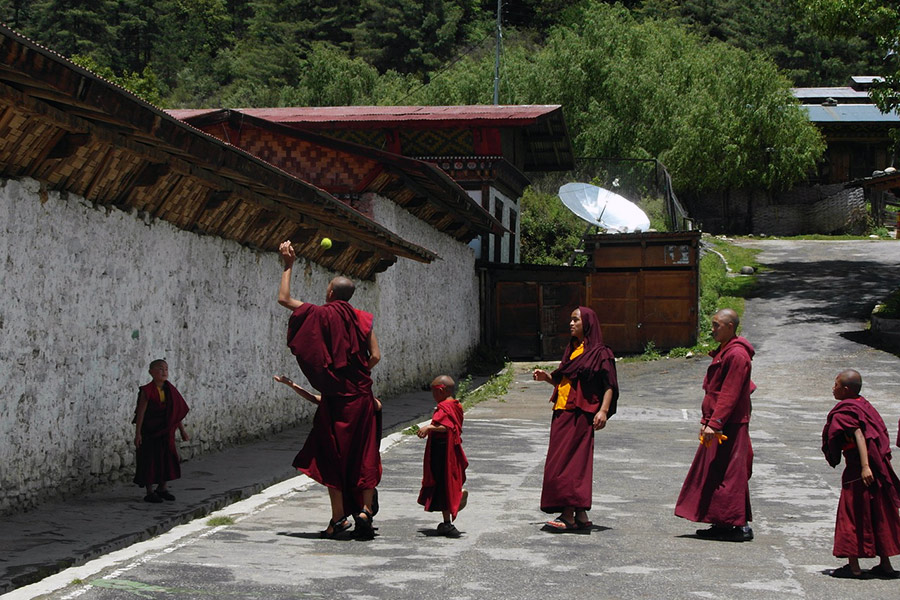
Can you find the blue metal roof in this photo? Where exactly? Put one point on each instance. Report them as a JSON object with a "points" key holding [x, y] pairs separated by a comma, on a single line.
{"points": [[849, 113]]}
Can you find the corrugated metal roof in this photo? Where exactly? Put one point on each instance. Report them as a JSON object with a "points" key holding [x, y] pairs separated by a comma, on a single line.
{"points": [[482, 114], [821, 93], [849, 113]]}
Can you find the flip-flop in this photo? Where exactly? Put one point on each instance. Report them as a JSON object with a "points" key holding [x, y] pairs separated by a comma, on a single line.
{"points": [[845, 573], [881, 573], [559, 525], [583, 524]]}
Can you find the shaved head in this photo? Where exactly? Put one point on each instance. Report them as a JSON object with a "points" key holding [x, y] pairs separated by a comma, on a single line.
{"points": [[447, 382], [727, 315], [850, 379], [341, 288]]}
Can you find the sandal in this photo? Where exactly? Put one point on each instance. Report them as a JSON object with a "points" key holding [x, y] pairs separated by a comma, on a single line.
{"points": [[364, 529], [337, 527], [882, 573], [584, 524], [845, 573], [560, 525]]}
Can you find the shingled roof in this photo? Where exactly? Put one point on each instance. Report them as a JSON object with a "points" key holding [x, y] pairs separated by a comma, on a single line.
{"points": [[74, 131]]}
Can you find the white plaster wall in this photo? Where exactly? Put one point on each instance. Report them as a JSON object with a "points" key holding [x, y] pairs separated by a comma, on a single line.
{"points": [[426, 315], [89, 295]]}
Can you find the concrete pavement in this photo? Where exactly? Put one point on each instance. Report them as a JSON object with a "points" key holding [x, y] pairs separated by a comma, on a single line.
{"points": [[74, 530], [807, 322]]}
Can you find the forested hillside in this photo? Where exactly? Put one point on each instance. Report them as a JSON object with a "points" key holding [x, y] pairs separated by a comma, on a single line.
{"points": [[702, 85]]}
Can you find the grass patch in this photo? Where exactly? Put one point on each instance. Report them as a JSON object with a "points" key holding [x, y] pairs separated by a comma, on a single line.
{"points": [[495, 387], [218, 521], [889, 308], [76, 581]]}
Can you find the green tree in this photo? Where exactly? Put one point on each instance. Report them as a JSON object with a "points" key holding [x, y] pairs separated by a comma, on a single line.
{"points": [[776, 28], [410, 36], [716, 116], [549, 230]]}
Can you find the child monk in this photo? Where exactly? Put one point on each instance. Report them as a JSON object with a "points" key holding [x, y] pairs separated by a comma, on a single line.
{"points": [[444, 469], [868, 522], [160, 410]]}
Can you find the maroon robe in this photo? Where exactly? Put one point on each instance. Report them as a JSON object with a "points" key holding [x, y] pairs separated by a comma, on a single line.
{"points": [[716, 489], [568, 470], [157, 458], [444, 468], [331, 346], [868, 522]]}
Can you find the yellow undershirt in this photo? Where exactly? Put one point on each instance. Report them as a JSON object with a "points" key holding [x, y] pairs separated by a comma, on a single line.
{"points": [[565, 386], [162, 394]]}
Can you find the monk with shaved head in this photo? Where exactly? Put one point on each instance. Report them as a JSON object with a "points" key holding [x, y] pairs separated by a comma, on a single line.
{"points": [[444, 470], [868, 522], [336, 349], [716, 489]]}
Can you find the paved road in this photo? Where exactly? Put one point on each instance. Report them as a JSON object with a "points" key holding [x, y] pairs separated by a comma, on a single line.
{"points": [[807, 322]]}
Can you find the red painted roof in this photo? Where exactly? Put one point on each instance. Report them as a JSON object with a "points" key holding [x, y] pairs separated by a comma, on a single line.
{"points": [[378, 115]]}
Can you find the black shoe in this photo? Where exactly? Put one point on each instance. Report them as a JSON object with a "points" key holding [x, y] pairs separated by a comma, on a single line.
{"points": [[165, 495], [739, 534], [153, 497], [448, 530], [364, 529], [714, 532]]}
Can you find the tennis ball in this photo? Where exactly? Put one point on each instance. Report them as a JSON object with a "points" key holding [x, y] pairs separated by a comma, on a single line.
{"points": [[325, 243]]}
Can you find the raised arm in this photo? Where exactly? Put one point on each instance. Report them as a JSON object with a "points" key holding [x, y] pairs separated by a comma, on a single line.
{"points": [[284, 290]]}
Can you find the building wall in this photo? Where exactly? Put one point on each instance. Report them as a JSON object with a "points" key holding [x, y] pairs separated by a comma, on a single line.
{"points": [[90, 295], [507, 211]]}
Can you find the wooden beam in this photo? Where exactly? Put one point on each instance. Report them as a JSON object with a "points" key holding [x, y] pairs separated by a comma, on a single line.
{"points": [[68, 145]]}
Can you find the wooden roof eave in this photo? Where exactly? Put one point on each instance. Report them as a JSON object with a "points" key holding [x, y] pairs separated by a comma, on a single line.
{"points": [[336, 217], [67, 88]]}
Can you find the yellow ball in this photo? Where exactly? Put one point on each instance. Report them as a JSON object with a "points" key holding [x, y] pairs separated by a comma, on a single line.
{"points": [[326, 243]]}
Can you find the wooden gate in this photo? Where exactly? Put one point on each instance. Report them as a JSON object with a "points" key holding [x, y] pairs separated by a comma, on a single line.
{"points": [[644, 288], [530, 309]]}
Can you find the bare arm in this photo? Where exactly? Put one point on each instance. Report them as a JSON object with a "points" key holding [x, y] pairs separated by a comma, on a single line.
{"points": [[315, 399], [374, 351], [139, 418], [602, 415], [430, 428], [867, 477], [184, 434], [284, 290], [542, 375]]}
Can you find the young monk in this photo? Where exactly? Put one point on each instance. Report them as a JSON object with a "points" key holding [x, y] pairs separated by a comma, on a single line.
{"points": [[159, 412], [445, 462], [868, 522]]}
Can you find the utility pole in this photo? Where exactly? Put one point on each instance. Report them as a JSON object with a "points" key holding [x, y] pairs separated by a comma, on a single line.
{"points": [[497, 59]]}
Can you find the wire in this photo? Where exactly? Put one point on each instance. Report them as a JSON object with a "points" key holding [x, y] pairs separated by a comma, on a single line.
{"points": [[434, 76]]}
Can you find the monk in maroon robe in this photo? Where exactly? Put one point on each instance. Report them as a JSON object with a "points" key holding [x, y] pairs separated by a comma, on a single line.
{"points": [[868, 521], [336, 349], [716, 489], [159, 412], [585, 395], [444, 469]]}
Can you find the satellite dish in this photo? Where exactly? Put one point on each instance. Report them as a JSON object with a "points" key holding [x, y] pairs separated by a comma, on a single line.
{"points": [[603, 208]]}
